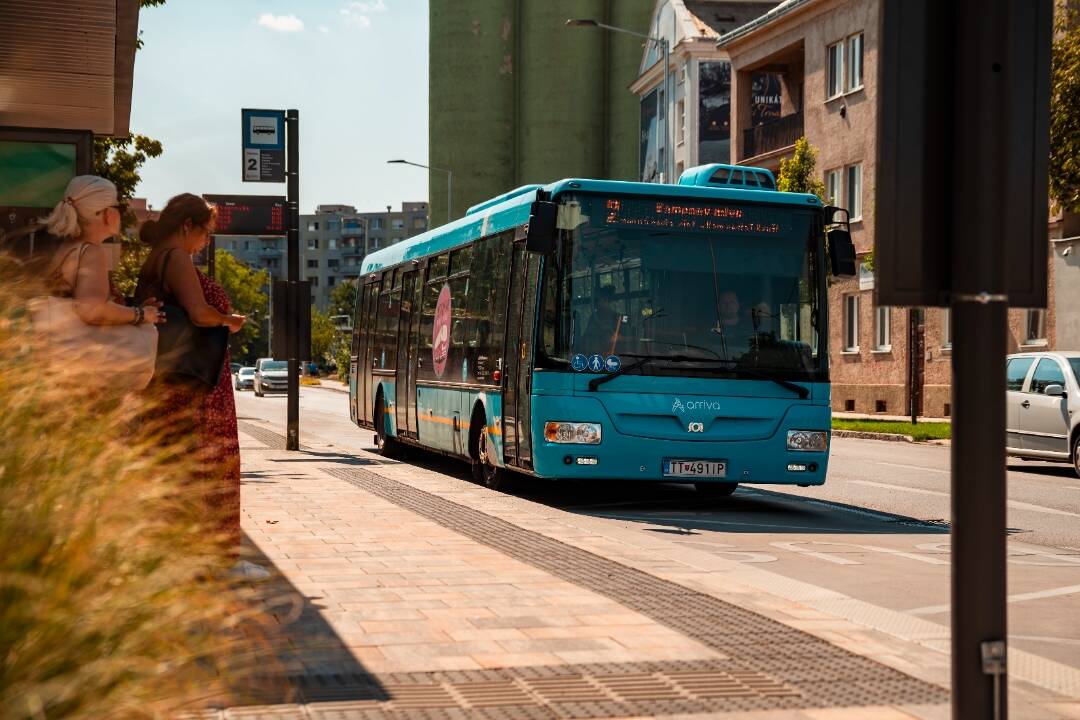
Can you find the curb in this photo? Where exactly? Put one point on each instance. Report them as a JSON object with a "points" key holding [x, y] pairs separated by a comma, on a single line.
{"points": [[862, 435], [330, 388]]}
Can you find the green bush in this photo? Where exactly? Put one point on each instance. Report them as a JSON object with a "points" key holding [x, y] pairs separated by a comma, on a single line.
{"points": [[920, 431]]}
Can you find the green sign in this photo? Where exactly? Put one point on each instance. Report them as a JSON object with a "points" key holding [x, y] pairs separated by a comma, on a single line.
{"points": [[34, 174]]}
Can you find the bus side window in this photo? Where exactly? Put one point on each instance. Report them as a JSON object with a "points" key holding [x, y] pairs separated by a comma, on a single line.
{"points": [[487, 305]]}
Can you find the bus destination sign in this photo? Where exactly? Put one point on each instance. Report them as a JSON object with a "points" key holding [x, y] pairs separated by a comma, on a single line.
{"points": [[677, 215], [248, 214]]}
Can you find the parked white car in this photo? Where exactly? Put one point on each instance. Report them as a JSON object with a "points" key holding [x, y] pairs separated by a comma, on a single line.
{"points": [[1042, 393]]}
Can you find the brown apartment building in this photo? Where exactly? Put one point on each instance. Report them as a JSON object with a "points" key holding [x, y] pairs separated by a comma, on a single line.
{"points": [[825, 55]]}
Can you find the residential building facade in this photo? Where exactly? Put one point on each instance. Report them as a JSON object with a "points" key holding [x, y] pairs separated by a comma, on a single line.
{"points": [[700, 81], [886, 360], [333, 242]]}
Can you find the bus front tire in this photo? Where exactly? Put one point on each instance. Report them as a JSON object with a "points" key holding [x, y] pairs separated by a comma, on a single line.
{"points": [[715, 490], [484, 469]]}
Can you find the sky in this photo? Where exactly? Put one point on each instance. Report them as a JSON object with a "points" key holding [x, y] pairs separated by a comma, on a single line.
{"points": [[355, 69]]}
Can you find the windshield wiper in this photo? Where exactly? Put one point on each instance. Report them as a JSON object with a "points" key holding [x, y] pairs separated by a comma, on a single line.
{"points": [[598, 381], [729, 366]]}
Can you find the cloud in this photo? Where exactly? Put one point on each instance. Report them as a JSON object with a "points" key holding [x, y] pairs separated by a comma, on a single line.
{"points": [[324, 30], [356, 13], [282, 23]]}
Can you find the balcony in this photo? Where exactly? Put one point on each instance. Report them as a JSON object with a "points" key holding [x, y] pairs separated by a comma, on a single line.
{"points": [[772, 136]]}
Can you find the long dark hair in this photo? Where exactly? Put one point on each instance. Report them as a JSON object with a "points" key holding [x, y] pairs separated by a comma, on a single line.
{"points": [[180, 209]]}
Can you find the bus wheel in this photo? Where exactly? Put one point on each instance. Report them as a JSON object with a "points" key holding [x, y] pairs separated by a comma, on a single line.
{"points": [[388, 446], [484, 469], [715, 490]]}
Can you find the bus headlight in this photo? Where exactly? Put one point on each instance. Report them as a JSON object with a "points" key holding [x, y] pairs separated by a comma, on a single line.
{"points": [[808, 440], [572, 432]]}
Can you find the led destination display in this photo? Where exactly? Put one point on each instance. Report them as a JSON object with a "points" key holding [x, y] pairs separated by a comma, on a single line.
{"points": [[703, 217], [248, 214]]}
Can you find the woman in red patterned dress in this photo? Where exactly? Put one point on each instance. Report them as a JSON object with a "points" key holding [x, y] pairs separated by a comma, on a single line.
{"points": [[209, 415]]}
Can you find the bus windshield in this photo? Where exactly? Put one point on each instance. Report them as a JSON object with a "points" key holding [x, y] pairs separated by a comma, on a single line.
{"points": [[678, 281]]}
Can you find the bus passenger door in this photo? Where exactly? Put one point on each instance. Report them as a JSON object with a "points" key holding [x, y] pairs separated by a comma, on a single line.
{"points": [[367, 354], [405, 382], [518, 357]]}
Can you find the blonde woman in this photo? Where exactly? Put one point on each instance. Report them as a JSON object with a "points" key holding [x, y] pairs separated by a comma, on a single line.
{"points": [[88, 214]]}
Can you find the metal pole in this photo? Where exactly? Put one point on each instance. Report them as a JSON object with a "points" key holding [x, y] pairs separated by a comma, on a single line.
{"points": [[292, 133], [669, 160], [979, 306]]}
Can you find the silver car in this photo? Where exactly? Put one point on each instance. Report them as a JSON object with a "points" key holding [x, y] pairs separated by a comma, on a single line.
{"points": [[1042, 394]]}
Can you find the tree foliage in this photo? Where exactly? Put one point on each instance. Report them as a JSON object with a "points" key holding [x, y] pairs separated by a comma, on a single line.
{"points": [[798, 174], [1065, 111], [343, 298], [246, 289], [323, 336]]}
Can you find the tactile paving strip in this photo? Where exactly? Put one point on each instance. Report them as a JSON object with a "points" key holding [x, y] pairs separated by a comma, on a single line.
{"points": [[783, 667]]}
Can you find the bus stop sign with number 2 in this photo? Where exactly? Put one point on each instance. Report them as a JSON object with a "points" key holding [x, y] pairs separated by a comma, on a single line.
{"points": [[263, 143]]}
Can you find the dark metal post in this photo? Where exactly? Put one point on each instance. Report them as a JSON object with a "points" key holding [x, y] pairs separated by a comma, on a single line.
{"points": [[981, 204], [211, 252], [292, 145]]}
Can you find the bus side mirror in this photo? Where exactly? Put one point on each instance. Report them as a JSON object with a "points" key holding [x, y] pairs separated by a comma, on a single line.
{"points": [[841, 253], [540, 237]]}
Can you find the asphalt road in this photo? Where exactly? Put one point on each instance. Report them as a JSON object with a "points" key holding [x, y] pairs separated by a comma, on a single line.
{"points": [[876, 531]]}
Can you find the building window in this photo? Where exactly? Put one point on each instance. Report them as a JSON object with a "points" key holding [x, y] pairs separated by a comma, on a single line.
{"points": [[330, 280], [854, 62], [332, 263], [313, 263], [854, 191], [882, 331], [331, 244], [313, 244], [1036, 327], [247, 244], [375, 224], [851, 323], [680, 120], [946, 328], [312, 225], [832, 186], [333, 225], [397, 224], [835, 74], [314, 281], [419, 223]]}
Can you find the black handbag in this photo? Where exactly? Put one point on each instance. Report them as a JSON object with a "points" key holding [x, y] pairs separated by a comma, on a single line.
{"points": [[187, 351]]}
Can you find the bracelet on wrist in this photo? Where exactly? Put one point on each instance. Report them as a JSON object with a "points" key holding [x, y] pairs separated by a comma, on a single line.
{"points": [[137, 320]]}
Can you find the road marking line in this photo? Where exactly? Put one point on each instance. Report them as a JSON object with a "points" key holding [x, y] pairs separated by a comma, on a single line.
{"points": [[659, 521], [1053, 592], [1014, 504], [790, 546], [915, 467], [910, 556]]}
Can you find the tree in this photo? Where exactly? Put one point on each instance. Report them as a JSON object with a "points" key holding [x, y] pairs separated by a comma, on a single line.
{"points": [[323, 335], [1065, 110], [343, 298], [797, 173], [245, 288]]}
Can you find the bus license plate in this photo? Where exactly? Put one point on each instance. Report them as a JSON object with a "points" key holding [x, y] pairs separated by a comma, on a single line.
{"points": [[695, 468]]}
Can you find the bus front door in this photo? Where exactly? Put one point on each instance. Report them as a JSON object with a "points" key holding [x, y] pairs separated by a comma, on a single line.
{"points": [[367, 354], [518, 357], [405, 381]]}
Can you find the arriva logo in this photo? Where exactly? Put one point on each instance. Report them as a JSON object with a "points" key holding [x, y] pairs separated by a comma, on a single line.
{"points": [[679, 406]]}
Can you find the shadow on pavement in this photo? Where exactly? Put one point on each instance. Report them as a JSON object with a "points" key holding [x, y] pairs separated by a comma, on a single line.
{"points": [[298, 657], [1063, 470], [680, 509]]}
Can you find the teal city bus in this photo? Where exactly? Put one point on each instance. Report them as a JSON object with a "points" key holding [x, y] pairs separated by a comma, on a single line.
{"points": [[615, 330]]}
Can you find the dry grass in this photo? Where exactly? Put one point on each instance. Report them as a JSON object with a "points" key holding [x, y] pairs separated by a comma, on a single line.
{"points": [[114, 600]]}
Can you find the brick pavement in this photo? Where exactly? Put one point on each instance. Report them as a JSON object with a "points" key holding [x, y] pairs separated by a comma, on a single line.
{"points": [[393, 614]]}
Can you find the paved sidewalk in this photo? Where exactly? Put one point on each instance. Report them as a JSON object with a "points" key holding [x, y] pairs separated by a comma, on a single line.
{"points": [[416, 594]]}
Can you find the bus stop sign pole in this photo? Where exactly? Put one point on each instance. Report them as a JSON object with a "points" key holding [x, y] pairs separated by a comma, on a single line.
{"points": [[961, 221], [292, 144]]}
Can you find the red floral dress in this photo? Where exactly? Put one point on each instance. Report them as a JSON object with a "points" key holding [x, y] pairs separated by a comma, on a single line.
{"points": [[211, 417]]}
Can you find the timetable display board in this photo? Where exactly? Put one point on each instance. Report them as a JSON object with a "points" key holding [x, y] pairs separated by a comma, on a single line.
{"points": [[249, 214], [677, 214]]}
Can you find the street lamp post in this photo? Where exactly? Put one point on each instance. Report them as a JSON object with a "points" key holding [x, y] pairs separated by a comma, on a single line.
{"points": [[665, 51], [449, 181]]}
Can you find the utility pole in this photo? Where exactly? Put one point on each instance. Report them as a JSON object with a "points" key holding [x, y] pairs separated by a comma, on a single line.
{"points": [[292, 144]]}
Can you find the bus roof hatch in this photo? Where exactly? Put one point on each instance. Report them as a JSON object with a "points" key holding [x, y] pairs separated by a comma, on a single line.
{"points": [[720, 175]]}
